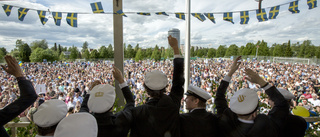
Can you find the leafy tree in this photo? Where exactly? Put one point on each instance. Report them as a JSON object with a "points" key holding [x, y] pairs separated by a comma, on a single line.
{"points": [[318, 52], [212, 53], [163, 52], [136, 48], [110, 51], [263, 49], [249, 49], [240, 50], [149, 52], [130, 52], [202, 52], [288, 51], [139, 56], [278, 50], [62, 57], [169, 53], [25, 52], [4, 50], [156, 55], [54, 48], [221, 51], [232, 50], [39, 44], [84, 46], [73, 52], [192, 52], [94, 54], [103, 52], [39, 54], [86, 54]]}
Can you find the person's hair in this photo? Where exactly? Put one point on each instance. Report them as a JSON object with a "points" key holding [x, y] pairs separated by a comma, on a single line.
{"points": [[201, 103], [46, 130], [155, 93]]}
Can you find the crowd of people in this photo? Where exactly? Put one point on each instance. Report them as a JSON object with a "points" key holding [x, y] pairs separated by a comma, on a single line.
{"points": [[71, 81]]}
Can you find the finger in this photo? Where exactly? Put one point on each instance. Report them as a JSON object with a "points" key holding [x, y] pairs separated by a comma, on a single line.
{"points": [[4, 68], [247, 78]]}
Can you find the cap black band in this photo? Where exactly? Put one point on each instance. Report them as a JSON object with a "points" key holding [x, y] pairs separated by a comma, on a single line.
{"points": [[195, 95]]}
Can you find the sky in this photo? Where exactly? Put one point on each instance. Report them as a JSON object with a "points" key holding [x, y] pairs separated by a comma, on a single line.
{"points": [[148, 31]]}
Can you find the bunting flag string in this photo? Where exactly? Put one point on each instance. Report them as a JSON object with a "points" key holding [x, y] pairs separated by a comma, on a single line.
{"points": [[97, 8], [294, 7], [244, 16], [7, 9], [274, 11], [262, 16], [42, 16]]}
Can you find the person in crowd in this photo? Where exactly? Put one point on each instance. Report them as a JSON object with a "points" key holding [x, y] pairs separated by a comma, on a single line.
{"points": [[159, 116], [109, 124], [295, 126], [27, 94], [198, 122], [48, 115], [77, 125], [241, 118], [32, 111]]}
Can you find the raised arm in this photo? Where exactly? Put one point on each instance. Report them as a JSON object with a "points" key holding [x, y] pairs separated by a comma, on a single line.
{"points": [[178, 79], [27, 92], [220, 100], [281, 108], [124, 88]]}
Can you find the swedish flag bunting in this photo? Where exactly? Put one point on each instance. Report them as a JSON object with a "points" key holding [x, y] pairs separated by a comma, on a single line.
{"points": [[274, 12], [162, 13], [97, 7], [57, 16], [42, 16], [72, 19], [199, 16], [22, 12], [294, 7], [312, 4], [228, 17], [143, 13], [244, 17], [262, 16], [180, 16], [7, 9], [119, 12], [210, 17]]}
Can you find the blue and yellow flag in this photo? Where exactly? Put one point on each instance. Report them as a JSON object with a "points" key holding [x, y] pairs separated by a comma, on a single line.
{"points": [[144, 13], [199, 16], [162, 13], [228, 17], [294, 7], [97, 7], [210, 17], [244, 17], [262, 16], [72, 19], [22, 12], [42, 16], [274, 12], [7, 9], [180, 16], [119, 12], [57, 16], [312, 4]]}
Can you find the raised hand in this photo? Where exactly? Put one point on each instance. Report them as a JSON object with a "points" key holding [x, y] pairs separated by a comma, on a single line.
{"points": [[235, 65], [13, 67], [117, 75], [254, 77], [173, 42]]}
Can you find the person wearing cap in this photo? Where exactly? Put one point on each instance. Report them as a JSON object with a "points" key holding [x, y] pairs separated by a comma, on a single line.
{"points": [[26, 99], [80, 124], [198, 122], [295, 126], [159, 116], [109, 124], [48, 115], [242, 119]]}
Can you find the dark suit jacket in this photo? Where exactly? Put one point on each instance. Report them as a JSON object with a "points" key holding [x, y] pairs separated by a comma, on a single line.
{"points": [[199, 123], [295, 126], [263, 126], [27, 98], [160, 117], [109, 124]]}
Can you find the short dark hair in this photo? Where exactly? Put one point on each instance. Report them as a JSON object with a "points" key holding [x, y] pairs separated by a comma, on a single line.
{"points": [[155, 93]]}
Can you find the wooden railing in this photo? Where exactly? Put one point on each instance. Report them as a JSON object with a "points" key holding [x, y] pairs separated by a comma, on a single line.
{"points": [[14, 127]]}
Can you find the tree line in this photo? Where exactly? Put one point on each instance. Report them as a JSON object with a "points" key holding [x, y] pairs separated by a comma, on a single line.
{"points": [[39, 50]]}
